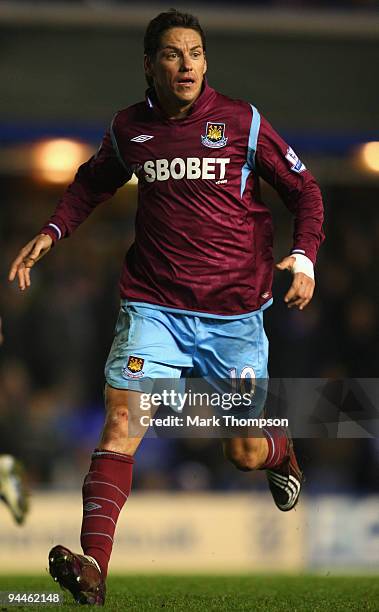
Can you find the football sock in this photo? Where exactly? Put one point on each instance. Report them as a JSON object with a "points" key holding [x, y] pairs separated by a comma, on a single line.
{"points": [[277, 447], [105, 490]]}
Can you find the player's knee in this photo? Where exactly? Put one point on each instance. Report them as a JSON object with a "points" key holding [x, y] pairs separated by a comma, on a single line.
{"points": [[117, 416], [116, 406], [244, 460], [115, 428]]}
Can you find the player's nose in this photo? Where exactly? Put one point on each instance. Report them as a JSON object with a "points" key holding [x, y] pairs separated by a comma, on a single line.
{"points": [[186, 64]]}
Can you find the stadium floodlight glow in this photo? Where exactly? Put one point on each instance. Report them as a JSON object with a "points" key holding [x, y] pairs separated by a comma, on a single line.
{"points": [[370, 156], [56, 160]]}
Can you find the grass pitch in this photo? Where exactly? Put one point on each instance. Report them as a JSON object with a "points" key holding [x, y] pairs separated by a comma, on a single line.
{"points": [[215, 593]]}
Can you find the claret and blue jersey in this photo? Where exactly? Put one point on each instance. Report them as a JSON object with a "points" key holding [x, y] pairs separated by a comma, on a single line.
{"points": [[203, 240]]}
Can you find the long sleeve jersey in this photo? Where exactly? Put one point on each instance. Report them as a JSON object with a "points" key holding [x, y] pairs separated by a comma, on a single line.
{"points": [[203, 236]]}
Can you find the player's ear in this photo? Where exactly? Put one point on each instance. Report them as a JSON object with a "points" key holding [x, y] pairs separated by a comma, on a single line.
{"points": [[148, 66], [205, 65]]}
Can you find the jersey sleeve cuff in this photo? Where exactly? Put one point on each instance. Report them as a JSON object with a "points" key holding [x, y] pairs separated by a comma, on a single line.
{"points": [[52, 230], [307, 253]]}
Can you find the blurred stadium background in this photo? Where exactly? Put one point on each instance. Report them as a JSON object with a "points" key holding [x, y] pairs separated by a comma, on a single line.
{"points": [[65, 68]]}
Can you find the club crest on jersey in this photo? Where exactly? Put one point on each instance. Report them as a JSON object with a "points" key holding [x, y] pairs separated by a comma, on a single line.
{"points": [[215, 135], [134, 367]]}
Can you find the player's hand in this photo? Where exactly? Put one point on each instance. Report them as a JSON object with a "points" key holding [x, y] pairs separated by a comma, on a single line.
{"points": [[27, 257], [301, 291]]}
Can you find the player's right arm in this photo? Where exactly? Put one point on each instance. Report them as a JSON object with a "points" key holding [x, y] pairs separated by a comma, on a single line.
{"points": [[95, 181], [27, 257]]}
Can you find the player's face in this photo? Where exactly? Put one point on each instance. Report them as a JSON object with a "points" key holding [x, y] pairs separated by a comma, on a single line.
{"points": [[178, 67]]}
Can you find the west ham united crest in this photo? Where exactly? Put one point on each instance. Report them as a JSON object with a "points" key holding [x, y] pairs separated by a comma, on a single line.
{"points": [[134, 367], [215, 135]]}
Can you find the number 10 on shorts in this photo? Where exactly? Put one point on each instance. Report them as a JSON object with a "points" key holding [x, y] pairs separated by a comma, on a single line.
{"points": [[245, 381]]}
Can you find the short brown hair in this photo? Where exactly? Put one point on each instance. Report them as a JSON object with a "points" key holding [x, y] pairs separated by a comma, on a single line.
{"points": [[165, 21]]}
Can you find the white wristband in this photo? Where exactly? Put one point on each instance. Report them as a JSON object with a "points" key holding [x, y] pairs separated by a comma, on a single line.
{"points": [[302, 264], [57, 229]]}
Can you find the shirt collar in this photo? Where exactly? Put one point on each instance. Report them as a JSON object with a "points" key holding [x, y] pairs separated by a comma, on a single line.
{"points": [[205, 94]]}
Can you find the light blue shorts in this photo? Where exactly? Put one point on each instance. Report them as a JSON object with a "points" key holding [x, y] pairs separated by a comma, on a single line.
{"points": [[151, 344]]}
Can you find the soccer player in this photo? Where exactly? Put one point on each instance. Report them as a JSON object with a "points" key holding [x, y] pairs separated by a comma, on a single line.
{"points": [[198, 277], [13, 491], [13, 488]]}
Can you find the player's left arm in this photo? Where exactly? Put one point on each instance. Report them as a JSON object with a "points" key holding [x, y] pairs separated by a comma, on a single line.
{"points": [[278, 164]]}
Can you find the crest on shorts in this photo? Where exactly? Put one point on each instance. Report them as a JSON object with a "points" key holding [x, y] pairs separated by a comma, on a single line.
{"points": [[214, 135], [133, 367], [135, 364]]}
